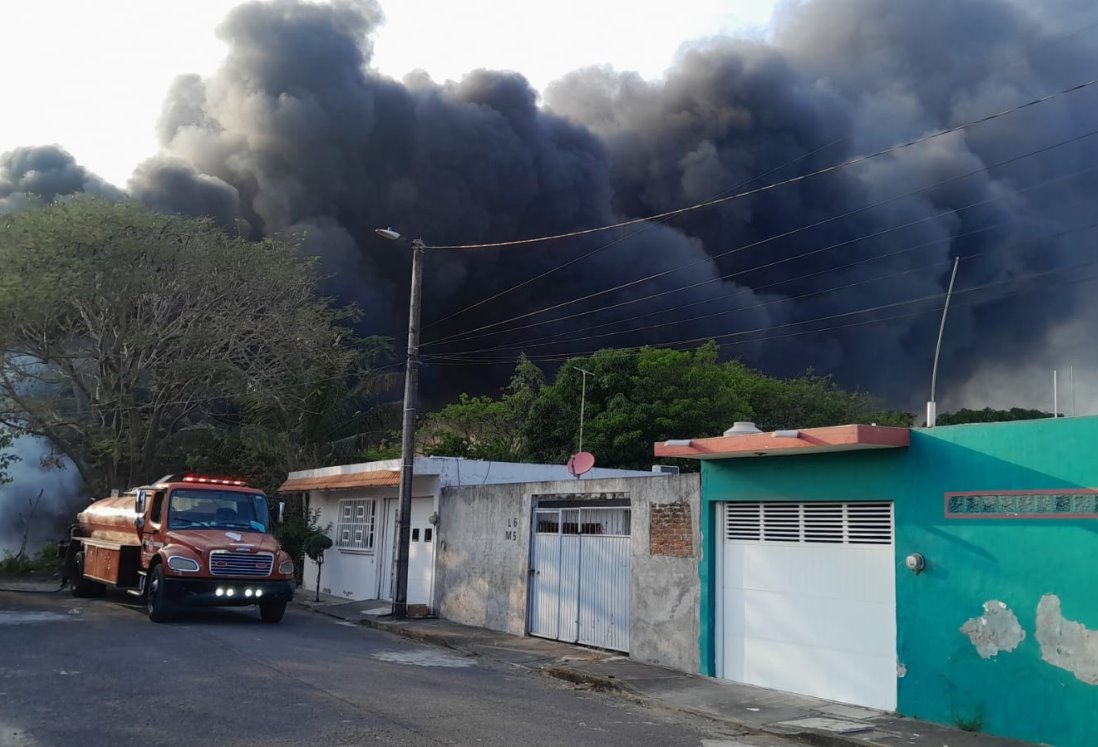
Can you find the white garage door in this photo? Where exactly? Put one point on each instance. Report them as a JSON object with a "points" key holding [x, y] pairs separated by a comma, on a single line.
{"points": [[808, 600]]}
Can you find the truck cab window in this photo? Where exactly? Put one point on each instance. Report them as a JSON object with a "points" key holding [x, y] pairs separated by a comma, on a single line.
{"points": [[157, 507]]}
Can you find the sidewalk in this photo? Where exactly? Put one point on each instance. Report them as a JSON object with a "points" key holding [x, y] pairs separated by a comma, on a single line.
{"points": [[811, 720]]}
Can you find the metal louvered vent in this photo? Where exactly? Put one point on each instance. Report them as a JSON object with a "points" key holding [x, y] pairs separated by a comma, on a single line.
{"points": [[827, 523], [743, 521]]}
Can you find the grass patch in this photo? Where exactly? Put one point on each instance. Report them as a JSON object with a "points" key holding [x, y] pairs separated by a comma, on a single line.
{"points": [[44, 562]]}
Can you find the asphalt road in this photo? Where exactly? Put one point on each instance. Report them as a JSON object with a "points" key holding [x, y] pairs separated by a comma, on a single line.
{"points": [[97, 672]]}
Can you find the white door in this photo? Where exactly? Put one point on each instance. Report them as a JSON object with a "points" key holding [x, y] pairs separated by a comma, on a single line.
{"points": [[808, 600], [421, 545], [389, 538], [579, 576], [421, 553]]}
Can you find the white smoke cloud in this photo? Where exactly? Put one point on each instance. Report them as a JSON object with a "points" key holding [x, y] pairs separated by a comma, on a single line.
{"points": [[36, 472]]}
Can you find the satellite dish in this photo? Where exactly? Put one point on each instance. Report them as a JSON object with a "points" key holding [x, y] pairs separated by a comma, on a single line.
{"points": [[580, 463]]}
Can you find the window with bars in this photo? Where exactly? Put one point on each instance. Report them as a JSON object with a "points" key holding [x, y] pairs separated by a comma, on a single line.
{"points": [[355, 529], [868, 523], [605, 521]]}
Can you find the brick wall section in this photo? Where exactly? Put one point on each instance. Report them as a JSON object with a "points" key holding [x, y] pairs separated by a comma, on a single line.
{"points": [[669, 530]]}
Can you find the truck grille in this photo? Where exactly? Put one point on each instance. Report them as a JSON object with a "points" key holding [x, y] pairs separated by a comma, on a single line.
{"points": [[224, 563]]}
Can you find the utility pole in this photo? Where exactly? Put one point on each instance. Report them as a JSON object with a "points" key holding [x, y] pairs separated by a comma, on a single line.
{"points": [[583, 401], [932, 405], [408, 428]]}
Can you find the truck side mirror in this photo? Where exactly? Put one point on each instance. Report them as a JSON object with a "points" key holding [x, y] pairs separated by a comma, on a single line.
{"points": [[281, 511], [139, 502]]}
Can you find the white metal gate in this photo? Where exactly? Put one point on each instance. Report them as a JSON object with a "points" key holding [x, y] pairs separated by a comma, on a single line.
{"points": [[808, 599], [579, 576]]}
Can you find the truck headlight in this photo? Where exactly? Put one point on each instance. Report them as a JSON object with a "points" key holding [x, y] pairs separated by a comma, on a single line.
{"points": [[179, 563], [286, 568]]}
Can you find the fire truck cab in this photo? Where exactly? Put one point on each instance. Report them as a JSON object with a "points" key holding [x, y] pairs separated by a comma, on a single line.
{"points": [[182, 542]]}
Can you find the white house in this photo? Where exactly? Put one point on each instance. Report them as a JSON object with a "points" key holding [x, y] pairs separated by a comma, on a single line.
{"points": [[360, 502]]}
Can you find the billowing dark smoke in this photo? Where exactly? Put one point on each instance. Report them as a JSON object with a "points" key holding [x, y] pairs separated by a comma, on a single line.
{"points": [[296, 134], [37, 175]]}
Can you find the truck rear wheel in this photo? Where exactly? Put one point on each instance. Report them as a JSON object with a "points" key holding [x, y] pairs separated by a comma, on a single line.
{"points": [[271, 612], [80, 586], [156, 601]]}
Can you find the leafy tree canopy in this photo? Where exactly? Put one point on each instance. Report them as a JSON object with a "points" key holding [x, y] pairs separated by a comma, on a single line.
{"points": [[635, 398], [122, 330], [987, 415], [6, 457]]}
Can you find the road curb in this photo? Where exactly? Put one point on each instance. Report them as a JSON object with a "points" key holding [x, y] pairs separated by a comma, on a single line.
{"points": [[594, 681], [604, 683]]}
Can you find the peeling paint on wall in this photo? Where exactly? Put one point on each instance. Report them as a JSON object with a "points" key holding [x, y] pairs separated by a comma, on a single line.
{"points": [[1066, 644], [997, 630]]}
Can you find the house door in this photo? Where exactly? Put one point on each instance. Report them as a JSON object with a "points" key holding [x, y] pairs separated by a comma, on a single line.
{"points": [[808, 599], [580, 574], [387, 576]]}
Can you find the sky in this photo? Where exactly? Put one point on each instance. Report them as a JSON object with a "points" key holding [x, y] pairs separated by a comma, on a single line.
{"points": [[94, 82]]}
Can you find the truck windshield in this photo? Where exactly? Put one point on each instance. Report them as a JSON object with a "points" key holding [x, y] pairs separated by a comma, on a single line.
{"points": [[217, 509]]}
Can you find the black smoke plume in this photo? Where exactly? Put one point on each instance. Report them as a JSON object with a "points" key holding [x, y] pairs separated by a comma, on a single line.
{"points": [[297, 134]]}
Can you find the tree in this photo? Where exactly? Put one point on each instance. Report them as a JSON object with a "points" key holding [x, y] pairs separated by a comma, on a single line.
{"points": [[314, 546], [987, 415], [486, 428], [6, 458], [812, 401], [635, 398], [343, 414], [121, 328]]}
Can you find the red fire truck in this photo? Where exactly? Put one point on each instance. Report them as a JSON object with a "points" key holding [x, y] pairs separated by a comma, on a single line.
{"points": [[185, 541]]}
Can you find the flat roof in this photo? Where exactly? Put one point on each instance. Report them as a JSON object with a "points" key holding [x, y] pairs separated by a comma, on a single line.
{"points": [[362, 479], [785, 442]]}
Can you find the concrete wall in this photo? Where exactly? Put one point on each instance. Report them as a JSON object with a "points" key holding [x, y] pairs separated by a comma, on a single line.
{"points": [[365, 575], [1000, 633], [484, 554]]}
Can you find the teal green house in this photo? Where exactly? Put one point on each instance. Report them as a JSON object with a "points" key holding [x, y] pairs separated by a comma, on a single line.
{"points": [[948, 574]]}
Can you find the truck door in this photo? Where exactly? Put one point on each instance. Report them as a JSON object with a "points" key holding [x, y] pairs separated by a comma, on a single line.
{"points": [[151, 534]]}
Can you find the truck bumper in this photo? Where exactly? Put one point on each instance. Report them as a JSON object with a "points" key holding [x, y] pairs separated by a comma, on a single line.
{"points": [[204, 592]]}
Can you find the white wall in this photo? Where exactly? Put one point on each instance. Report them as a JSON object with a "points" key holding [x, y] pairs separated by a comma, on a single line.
{"points": [[484, 558], [357, 575]]}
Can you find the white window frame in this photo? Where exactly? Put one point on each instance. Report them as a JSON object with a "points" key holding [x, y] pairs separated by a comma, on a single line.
{"points": [[356, 524]]}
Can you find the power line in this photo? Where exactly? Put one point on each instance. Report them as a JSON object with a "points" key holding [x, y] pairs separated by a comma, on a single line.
{"points": [[471, 334], [525, 347], [547, 339], [791, 180], [647, 226], [838, 315]]}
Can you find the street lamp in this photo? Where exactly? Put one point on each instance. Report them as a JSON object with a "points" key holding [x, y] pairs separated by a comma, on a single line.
{"points": [[408, 426]]}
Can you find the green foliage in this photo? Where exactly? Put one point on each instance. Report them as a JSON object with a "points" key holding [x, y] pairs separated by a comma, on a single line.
{"points": [[124, 331], [6, 458], [635, 398], [315, 545], [299, 526], [45, 561], [482, 427], [987, 415]]}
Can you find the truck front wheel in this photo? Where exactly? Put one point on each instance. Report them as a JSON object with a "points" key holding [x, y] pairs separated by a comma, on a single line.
{"points": [[271, 612], [80, 586], [156, 601]]}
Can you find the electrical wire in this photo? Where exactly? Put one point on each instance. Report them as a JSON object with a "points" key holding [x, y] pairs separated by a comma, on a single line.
{"points": [[839, 315], [526, 346], [707, 260], [547, 339], [647, 226], [792, 180]]}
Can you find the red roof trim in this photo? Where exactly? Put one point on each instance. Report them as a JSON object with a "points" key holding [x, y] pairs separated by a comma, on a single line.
{"points": [[807, 441]]}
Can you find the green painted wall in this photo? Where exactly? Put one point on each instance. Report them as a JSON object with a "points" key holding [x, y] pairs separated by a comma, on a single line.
{"points": [[970, 561]]}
